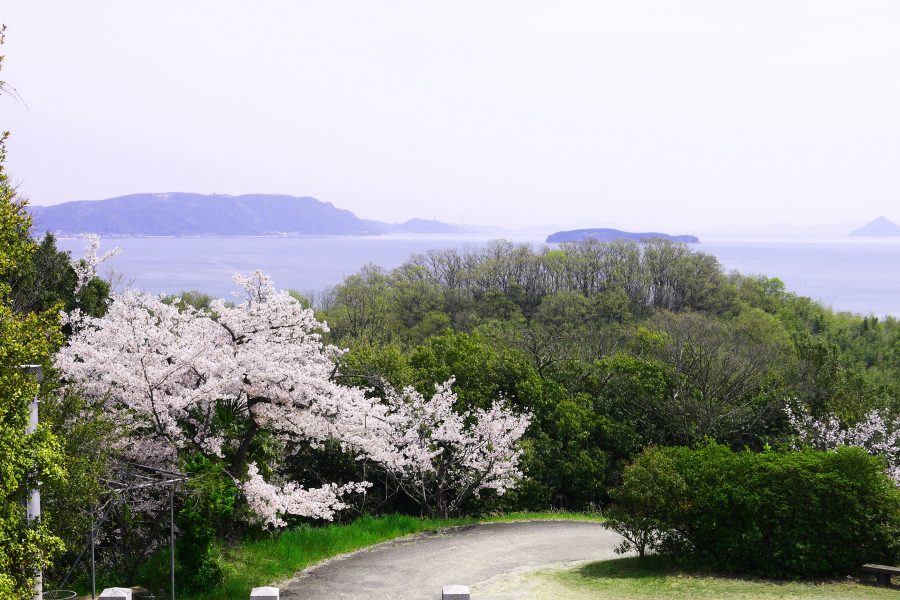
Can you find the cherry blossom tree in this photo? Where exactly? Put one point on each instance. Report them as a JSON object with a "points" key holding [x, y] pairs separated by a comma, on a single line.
{"points": [[875, 433], [176, 380], [441, 458], [166, 375]]}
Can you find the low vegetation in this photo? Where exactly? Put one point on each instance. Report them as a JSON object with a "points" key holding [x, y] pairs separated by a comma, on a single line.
{"points": [[773, 514], [634, 579]]}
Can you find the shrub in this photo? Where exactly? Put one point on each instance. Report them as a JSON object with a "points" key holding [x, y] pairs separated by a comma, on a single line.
{"points": [[652, 494], [772, 514], [208, 502]]}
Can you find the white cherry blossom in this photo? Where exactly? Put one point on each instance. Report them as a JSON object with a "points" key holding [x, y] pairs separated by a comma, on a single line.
{"points": [[874, 433], [86, 267], [441, 458]]}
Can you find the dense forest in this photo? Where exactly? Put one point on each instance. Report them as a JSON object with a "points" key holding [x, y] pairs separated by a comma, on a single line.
{"points": [[613, 347]]}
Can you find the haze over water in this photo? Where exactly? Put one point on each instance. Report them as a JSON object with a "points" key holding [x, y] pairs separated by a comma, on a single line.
{"points": [[858, 275]]}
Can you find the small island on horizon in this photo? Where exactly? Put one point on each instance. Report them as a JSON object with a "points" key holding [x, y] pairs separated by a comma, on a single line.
{"points": [[880, 227], [614, 235]]}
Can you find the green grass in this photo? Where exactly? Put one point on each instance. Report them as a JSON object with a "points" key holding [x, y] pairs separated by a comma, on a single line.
{"points": [[557, 515], [651, 578], [262, 562]]}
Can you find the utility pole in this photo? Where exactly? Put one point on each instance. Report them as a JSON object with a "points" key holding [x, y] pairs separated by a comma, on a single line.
{"points": [[33, 509], [172, 538]]}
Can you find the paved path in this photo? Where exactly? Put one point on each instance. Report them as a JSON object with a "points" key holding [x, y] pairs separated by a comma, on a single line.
{"points": [[416, 568]]}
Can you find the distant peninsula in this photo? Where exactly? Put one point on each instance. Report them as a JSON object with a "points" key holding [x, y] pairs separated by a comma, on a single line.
{"points": [[880, 227], [184, 214], [613, 235]]}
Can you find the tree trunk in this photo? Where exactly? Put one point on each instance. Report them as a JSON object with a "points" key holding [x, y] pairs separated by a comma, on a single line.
{"points": [[239, 463]]}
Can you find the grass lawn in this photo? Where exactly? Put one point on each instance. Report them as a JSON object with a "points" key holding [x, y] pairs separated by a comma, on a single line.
{"points": [[265, 561], [650, 578]]}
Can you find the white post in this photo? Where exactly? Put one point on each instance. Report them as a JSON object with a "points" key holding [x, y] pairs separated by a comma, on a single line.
{"points": [[455, 592], [172, 538], [115, 594], [265, 593], [33, 509]]}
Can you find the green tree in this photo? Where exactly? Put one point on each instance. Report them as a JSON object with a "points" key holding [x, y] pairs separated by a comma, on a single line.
{"points": [[725, 377], [63, 456], [568, 460], [651, 496], [45, 279], [26, 459], [482, 373], [359, 308], [816, 513], [556, 332]]}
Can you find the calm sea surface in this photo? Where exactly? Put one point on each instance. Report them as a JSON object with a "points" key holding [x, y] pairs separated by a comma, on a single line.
{"points": [[848, 274]]}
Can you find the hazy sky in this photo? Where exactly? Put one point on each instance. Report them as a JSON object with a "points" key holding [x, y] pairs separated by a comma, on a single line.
{"points": [[670, 115]]}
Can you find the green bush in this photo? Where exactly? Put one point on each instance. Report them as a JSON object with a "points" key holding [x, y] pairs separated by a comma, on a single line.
{"points": [[208, 502], [652, 491], [772, 514]]}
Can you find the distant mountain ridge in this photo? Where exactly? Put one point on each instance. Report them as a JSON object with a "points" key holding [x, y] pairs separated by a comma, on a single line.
{"points": [[613, 235], [186, 214], [880, 227]]}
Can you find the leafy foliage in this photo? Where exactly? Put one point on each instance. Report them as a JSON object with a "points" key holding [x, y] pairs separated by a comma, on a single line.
{"points": [[27, 459], [46, 279], [774, 514], [651, 495], [208, 502], [613, 347]]}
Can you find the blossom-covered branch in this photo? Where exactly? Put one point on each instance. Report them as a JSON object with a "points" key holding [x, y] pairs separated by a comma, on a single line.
{"points": [[270, 502], [441, 458], [874, 433], [86, 266]]}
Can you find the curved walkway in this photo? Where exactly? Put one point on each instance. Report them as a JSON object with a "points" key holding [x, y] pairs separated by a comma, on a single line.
{"points": [[416, 568]]}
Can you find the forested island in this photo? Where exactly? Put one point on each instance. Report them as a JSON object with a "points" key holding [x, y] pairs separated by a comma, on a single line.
{"points": [[616, 235]]}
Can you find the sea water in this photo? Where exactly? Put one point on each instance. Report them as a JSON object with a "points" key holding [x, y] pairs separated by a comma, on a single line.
{"points": [[852, 274]]}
